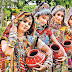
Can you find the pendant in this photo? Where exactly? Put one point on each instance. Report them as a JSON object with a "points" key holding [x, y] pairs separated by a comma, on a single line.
{"points": [[21, 44], [23, 52]]}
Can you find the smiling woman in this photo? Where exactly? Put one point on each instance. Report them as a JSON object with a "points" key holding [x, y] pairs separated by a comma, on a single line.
{"points": [[43, 19], [25, 24], [59, 29], [42, 15], [68, 18], [59, 16], [57, 24], [17, 39]]}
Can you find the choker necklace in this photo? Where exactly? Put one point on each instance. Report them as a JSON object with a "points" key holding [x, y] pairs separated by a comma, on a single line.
{"points": [[21, 38]]}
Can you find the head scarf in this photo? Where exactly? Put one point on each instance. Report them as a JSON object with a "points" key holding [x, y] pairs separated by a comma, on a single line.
{"points": [[58, 8], [16, 22], [42, 9], [53, 12], [69, 13]]}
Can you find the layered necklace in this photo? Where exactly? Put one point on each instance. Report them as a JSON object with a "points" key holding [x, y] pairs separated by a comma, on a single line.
{"points": [[23, 44]]}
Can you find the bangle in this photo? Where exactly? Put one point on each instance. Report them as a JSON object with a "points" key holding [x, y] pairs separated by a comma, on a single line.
{"points": [[41, 45], [11, 43], [47, 66], [12, 39], [13, 32], [49, 61], [12, 36], [65, 54]]}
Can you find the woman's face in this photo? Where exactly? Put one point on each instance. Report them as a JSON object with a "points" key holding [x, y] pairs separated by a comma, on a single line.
{"points": [[70, 21], [25, 24], [59, 16], [43, 19]]}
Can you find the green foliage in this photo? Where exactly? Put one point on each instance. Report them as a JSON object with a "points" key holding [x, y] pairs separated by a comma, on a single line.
{"points": [[7, 16], [8, 13], [0, 9], [65, 3], [5, 23], [29, 8], [23, 5], [0, 3], [52, 4], [15, 10], [2, 29], [20, 5]]}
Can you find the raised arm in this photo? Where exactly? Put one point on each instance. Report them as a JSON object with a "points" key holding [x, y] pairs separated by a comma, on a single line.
{"points": [[8, 43]]}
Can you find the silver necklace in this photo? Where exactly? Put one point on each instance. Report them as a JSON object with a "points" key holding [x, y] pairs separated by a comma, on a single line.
{"points": [[21, 46]]}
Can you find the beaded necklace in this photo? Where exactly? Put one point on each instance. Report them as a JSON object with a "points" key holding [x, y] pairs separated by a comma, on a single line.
{"points": [[22, 52]]}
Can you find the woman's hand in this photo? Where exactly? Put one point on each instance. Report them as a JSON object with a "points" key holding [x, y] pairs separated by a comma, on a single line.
{"points": [[63, 58], [14, 28], [41, 68]]}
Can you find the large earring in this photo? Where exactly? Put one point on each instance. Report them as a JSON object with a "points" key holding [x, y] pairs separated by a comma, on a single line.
{"points": [[28, 32], [30, 17], [16, 24]]}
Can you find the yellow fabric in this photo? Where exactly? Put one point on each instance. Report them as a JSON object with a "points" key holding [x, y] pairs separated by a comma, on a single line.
{"points": [[63, 28], [4, 38]]}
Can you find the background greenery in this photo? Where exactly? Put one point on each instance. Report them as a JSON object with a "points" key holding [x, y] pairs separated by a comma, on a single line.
{"points": [[20, 5], [2, 29]]}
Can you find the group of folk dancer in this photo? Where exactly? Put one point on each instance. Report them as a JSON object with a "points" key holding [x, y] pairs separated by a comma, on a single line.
{"points": [[38, 30]]}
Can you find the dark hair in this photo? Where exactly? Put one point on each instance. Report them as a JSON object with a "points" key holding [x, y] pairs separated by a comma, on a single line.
{"points": [[45, 14], [31, 28], [68, 20], [53, 8]]}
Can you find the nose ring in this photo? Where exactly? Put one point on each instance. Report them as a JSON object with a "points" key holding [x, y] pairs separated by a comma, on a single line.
{"points": [[25, 25]]}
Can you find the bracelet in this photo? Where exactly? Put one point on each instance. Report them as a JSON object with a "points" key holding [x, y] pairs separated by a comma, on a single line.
{"points": [[47, 66], [13, 32], [12, 35], [12, 39], [48, 62], [65, 54], [11, 43], [41, 45]]}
